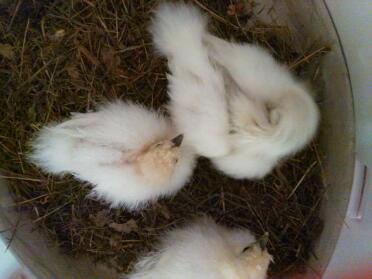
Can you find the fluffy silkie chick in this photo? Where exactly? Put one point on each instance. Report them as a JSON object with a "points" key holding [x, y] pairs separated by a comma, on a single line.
{"points": [[205, 250], [238, 106], [129, 154], [196, 87], [272, 115]]}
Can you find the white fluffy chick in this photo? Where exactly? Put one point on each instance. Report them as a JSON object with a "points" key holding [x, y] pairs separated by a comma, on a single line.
{"points": [[205, 250], [272, 115], [196, 87], [128, 153], [233, 102]]}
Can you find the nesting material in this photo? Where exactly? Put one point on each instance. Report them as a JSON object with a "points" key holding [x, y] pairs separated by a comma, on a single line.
{"points": [[57, 57]]}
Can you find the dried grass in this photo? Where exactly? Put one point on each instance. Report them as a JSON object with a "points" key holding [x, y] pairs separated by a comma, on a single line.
{"points": [[69, 56]]}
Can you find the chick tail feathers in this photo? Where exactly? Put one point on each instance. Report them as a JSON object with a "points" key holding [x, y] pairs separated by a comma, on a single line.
{"points": [[52, 151], [178, 30]]}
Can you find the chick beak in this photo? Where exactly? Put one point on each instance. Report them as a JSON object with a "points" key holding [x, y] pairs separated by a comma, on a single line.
{"points": [[177, 141], [263, 241]]}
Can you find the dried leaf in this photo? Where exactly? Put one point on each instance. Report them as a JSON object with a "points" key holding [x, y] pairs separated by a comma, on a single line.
{"points": [[101, 219], [128, 227], [6, 51]]}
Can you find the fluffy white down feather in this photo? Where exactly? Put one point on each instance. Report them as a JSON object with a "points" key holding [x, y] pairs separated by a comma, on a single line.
{"points": [[98, 147], [204, 250], [289, 116], [196, 87]]}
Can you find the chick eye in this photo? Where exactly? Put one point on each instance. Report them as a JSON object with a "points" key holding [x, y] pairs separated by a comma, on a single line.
{"points": [[158, 144], [247, 248]]}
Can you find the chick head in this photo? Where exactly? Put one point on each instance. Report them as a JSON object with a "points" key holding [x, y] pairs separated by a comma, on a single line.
{"points": [[158, 161], [255, 259], [251, 263]]}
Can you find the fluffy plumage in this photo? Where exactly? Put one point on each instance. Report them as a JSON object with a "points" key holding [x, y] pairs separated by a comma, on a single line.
{"points": [[234, 102], [124, 150], [205, 250], [196, 87], [272, 115]]}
